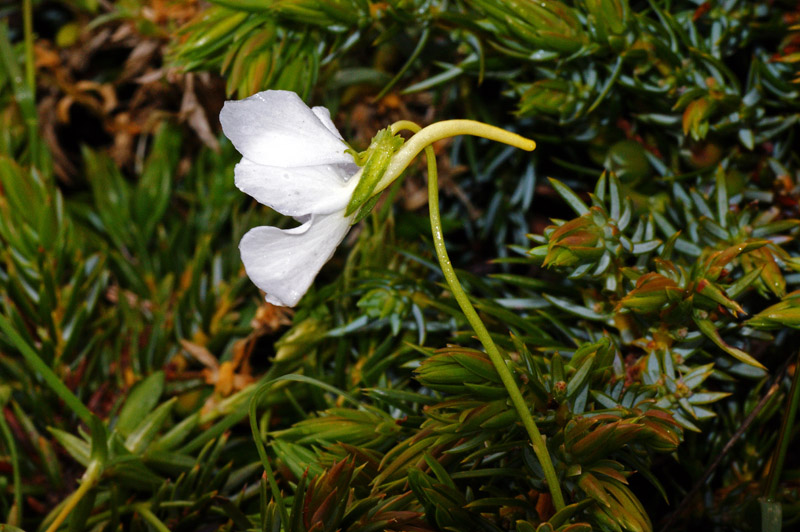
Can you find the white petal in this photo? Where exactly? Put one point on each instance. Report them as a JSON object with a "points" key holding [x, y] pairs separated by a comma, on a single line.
{"points": [[300, 190], [284, 263], [325, 117], [276, 128]]}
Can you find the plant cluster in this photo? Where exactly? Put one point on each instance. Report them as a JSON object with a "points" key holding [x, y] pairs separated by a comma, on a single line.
{"points": [[643, 300]]}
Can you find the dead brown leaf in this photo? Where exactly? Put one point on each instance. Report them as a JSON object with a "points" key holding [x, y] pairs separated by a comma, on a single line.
{"points": [[128, 105]]}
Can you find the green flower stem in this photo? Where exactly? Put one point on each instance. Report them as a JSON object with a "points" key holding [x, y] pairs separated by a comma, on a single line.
{"points": [[785, 435], [461, 127], [438, 131]]}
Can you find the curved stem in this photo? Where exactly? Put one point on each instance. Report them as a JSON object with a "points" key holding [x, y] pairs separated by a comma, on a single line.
{"points": [[539, 446], [442, 130]]}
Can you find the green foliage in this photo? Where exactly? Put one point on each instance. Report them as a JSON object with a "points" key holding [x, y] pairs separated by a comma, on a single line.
{"points": [[652, 315]]}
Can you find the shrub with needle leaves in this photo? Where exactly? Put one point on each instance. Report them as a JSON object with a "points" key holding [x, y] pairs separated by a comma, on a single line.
{"points": [[643, 299]]}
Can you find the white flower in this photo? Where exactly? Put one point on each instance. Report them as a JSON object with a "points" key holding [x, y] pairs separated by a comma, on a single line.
{"points": [[294, 161]]}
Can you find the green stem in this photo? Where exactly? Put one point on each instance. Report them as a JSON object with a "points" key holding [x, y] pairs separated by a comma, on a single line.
{"points": [[539, 446], [785, 435]]}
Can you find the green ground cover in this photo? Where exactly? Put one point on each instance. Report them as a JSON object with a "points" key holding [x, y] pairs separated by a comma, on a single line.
{"points": [[636, 274]]}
